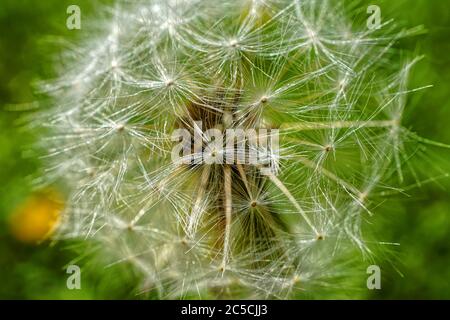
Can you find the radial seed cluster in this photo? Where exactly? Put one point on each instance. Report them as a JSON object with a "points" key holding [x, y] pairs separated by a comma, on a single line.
{"points": [[332, 89]]}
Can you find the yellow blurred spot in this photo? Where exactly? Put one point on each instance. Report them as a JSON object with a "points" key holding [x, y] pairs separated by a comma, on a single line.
{"points": [[36, 219]]}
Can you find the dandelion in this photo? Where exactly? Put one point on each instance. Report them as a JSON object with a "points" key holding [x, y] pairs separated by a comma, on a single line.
{"points": [[192, 228]]}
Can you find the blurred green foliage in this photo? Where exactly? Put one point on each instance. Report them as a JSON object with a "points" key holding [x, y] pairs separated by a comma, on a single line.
{"points": [[418, 269]]}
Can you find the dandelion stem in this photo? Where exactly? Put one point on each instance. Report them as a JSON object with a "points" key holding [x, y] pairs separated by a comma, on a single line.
{"points": [[244, 179], [228, 209], [197, 208], [304, 126], [291, 198], [312, 165]]}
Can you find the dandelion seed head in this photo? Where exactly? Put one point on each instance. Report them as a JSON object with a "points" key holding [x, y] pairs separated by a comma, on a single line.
{"points": [[271, 229]]}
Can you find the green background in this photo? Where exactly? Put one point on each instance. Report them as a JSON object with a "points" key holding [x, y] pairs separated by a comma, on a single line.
{"points": [[418, 269]]}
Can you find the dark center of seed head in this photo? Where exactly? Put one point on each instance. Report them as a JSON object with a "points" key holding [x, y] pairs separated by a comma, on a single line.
{"points": [[234, 43], [120, 127]]}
